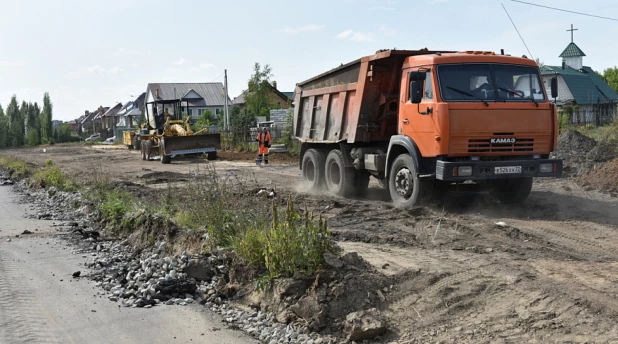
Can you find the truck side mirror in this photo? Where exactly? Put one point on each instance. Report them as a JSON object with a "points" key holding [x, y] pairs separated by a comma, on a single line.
{"points": [[554, 87], [415, 92]]}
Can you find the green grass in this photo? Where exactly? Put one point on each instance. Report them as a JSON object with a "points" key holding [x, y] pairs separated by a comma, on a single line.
{"points": [[295, 243], [51, 175], [17, 168]]}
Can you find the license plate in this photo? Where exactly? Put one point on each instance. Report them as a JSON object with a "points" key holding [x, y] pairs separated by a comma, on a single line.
{"points": [[507, 169]]}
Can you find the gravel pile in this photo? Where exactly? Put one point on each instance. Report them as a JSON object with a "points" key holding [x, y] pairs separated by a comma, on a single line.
{"points": [[150, 278]]}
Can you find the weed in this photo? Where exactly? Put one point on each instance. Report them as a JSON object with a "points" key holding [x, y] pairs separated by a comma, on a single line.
{"points": [[52, 176], [116, 207], [17, 168], [296, 243]]}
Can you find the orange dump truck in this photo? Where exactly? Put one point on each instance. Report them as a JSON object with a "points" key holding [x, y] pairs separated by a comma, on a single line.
{"points": [[418, 119]]}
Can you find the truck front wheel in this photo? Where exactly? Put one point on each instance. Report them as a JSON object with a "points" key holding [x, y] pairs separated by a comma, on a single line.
{"points": [[511, 191], [313, 169], [406, 189], [339, 179]]}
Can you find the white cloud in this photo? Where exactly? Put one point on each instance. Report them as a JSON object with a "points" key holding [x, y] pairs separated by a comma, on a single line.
{"points": [[171, 70], [202, 67], [304, 28], [95, 70], [383, 8], [356, 36], [387, 30], [180, 62], [12, 64], [127, 52]]}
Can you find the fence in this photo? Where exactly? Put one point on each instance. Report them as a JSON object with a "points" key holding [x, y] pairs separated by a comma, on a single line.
{"points": [[245, 139]]}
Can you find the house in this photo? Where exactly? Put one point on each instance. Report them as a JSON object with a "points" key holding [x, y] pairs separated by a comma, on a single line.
{"points": [[56, 123], [195, 97], [131, 111], [282, 100], [91, 121], [108, 119], [581, 86]]}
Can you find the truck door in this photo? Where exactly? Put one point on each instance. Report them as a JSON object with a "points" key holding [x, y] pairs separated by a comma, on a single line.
{"points": [[416, 120]]}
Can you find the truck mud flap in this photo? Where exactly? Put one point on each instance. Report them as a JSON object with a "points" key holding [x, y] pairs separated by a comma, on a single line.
{"points": [[194, 144]]}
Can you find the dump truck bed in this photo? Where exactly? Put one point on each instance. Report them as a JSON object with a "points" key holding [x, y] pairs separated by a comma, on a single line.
{"points": [[357, 101]]}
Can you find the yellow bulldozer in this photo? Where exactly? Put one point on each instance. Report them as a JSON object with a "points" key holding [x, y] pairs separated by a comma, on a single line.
{"points": [[166, 135]]}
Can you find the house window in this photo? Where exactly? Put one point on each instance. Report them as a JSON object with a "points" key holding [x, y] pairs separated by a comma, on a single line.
{"points": [[200, 112]]}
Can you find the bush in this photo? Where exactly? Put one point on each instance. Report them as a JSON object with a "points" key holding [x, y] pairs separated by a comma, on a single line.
{"points": [[52, 175], [116, 208], [17, 168], [293, 244]]}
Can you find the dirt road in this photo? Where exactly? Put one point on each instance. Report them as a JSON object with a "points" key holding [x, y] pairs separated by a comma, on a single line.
{"points": [[463, 270], [40, 301]]}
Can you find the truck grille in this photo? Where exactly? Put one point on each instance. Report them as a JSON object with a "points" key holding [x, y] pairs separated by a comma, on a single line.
{"points": [[485, 146]]}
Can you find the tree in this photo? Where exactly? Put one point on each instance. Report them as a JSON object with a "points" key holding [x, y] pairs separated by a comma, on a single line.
{"points": [[539, 63], [206, 119], [16, 124], [259, 97], [46, 120], [4, 129], [610, 75], [240, 119], [64, 133]]}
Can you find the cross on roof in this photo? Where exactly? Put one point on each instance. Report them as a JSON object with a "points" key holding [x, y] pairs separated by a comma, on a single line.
{"points": [[572, 29]]}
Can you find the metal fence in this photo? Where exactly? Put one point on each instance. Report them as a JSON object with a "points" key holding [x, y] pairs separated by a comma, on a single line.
{"points": [[247, 138]]}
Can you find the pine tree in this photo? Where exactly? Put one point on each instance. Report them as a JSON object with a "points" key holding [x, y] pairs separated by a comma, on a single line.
{"points": [[4, 129], [37, 119], [16, 124], [46, 120], [32, 133]]}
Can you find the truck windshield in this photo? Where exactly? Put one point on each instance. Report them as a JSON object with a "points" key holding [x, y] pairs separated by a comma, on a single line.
{"points": [[494, 82]]}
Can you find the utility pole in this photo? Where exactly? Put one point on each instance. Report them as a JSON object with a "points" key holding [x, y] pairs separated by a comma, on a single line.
{"points": [[226, 111]]}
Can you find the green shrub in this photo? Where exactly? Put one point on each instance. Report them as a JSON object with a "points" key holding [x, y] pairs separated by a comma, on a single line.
{"points": [[296, 243], [52, 176], [17, 168], [116, 207]]}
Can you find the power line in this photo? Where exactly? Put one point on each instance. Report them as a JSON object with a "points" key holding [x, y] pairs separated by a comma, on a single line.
{"points": [[563, 10], [522, 39], [218, 77]]}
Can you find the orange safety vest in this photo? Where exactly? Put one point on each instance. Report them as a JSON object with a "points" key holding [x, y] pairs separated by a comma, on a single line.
{"points": [[264, 140]]}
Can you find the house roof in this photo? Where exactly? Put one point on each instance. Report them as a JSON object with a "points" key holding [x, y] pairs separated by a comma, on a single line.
{"points": [[600, 83], [211, 92], [241, 98], [585, 85], [90, 117], [112, 111], [572, 50]]}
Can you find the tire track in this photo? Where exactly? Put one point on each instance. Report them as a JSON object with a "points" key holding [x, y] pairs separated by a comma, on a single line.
{"points": [[21, 319]]}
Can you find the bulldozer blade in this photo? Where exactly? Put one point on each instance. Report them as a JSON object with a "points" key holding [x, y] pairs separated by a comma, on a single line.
{"points": [[192, 144]]}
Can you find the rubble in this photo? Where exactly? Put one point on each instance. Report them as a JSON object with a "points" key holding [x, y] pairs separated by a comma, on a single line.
{"points": [[365, 325]]}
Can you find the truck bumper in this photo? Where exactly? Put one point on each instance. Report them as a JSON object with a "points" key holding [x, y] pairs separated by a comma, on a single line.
{"points": [[481, 170]]}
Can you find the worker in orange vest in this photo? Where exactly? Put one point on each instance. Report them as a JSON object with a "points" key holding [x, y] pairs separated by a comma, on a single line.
{"points": [[263, 139]]}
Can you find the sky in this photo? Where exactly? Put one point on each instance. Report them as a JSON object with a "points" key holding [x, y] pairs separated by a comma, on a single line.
{"points": [[88, 54]]}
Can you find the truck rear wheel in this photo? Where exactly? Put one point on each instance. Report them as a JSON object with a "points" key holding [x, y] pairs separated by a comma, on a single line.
{"points": [[211, 156], [339, 179], [313, 169], [406, 189], [511, 191]]}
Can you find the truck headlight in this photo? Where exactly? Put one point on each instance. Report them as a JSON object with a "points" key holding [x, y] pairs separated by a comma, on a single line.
{"points": [[546, 168], [464, 171]]}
